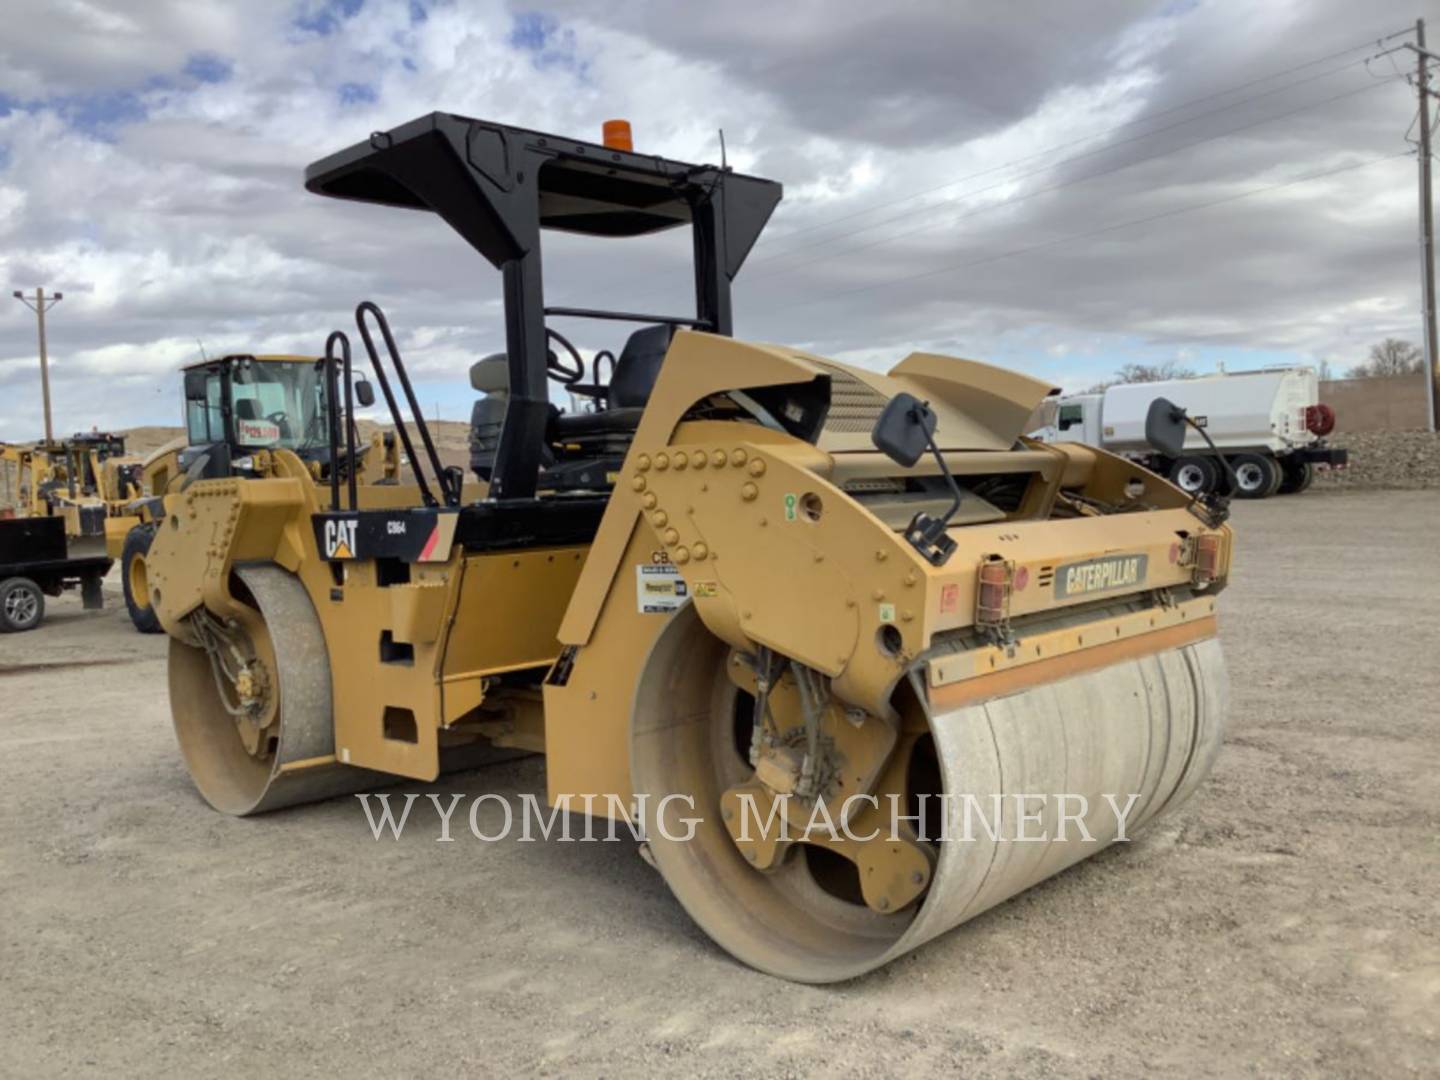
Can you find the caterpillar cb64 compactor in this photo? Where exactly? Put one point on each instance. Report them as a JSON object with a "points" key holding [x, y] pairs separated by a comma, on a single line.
{"points": [[741, 585]]}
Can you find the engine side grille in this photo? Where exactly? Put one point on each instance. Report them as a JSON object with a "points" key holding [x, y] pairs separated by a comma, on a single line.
{"points": [[854, 406]]}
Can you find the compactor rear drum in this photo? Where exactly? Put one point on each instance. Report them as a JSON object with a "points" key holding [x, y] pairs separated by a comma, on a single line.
{"points": [[1149, 726]]}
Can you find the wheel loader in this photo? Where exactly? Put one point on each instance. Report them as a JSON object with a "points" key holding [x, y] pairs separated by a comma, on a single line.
{"points": [[740, 587], [244, 414], [87, 480]]}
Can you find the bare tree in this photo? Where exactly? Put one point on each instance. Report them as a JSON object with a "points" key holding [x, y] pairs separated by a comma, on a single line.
{"points": [[1388, 359], [1146, 373]]}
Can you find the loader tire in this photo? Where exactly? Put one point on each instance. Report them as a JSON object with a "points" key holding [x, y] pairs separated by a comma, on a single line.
{"points": [[1297, 477], [135, 580], [1256, 475], [22, 605]]}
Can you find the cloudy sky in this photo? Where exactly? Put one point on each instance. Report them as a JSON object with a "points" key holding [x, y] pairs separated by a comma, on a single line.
{"points": [[1060, 187]]}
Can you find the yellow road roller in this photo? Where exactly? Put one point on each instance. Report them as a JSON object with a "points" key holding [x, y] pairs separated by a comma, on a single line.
{"points": [[734, 589]]}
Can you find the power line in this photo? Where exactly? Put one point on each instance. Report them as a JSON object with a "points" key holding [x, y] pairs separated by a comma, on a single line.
{"points": [[1368, 43], [1101, 231], [1120, 127], [1041, 154], [894, 236]]}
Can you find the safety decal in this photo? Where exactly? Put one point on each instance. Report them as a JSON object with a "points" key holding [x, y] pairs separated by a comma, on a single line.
{"points": [[659, 588]]}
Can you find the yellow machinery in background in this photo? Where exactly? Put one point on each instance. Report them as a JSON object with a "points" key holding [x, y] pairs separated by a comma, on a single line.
{"points": [[87, 480], [744, 587], [243, 415]]}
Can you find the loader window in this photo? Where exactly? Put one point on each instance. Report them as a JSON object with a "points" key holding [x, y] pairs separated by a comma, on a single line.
{"points": [[279, 403], [204, 422]]}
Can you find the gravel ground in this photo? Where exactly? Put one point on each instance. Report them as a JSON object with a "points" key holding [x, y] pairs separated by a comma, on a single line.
{"points": [[1385, 459], [1281, 923]]}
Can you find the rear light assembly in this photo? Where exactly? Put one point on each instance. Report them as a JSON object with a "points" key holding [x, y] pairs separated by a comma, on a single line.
{"points": [[1207, 559], [992, 597]]}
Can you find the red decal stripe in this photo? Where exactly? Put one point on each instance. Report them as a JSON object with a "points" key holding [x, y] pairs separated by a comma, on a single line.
{"points": [[430, 544]]}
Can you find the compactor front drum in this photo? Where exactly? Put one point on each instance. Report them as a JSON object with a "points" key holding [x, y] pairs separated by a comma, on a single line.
{"points": [[299, 767], [1148, 726]]}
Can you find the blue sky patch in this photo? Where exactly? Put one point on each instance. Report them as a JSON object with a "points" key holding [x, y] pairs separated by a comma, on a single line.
{"points": [[324, 18], [353, 93], [209, 68], [100, 114], [549, 45]]}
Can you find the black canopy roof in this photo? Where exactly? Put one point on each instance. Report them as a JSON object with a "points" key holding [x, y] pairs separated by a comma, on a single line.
{"points": [[470, 172]]}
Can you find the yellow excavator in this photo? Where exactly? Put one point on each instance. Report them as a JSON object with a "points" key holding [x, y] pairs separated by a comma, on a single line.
{"points": [[737, 589]]}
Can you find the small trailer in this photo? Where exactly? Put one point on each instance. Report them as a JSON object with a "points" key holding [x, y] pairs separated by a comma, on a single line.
{"points": [[34, 564], [1269, 424]]}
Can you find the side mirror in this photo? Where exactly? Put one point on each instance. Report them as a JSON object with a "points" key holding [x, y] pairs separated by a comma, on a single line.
{"points": [[364, 393], [1165, 427], [195, 385], [904, 429]]}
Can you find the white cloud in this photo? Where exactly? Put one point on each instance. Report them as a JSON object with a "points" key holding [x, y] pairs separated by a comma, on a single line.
{"points": [[163, 192]]}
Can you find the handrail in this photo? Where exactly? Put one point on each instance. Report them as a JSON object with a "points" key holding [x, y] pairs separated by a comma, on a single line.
{"points": [[331, 391], [449, 494]]}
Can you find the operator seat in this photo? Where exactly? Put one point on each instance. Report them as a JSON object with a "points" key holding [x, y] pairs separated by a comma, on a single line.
{"points": [[491, 377], [630, 386]]}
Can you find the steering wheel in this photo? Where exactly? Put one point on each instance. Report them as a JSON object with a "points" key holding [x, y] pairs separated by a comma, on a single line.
{"points": [[564, 373]]}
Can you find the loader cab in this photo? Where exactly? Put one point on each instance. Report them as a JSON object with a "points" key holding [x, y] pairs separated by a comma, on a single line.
{"points": [[236, 406], [500, 187]]}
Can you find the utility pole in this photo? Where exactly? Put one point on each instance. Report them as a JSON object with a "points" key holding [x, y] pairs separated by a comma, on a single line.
{"points": [[41, 304], [1427, 227]]}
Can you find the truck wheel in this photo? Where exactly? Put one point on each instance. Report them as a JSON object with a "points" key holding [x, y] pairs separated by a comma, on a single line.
{"points": [[1256, 476], [135, 580], [1297, 477], [22, 605], [1194, 475]]}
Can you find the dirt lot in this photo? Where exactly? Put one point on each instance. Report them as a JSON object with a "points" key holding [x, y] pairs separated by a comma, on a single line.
{"points": [[1284, 922]]}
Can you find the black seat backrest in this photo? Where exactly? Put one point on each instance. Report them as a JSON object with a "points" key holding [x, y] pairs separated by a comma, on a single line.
{"points": [[639, 366], [247, 409]]}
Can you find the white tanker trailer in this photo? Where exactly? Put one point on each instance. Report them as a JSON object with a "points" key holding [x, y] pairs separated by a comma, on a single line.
{"points": [[1269, 424]]}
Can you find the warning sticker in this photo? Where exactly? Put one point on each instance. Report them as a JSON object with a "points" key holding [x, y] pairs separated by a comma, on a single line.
{"points": [[257, 432], [705, 590], [659, 588]]}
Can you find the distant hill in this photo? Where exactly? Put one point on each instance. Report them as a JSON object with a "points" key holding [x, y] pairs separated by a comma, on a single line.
{"points": [[451, 439]]}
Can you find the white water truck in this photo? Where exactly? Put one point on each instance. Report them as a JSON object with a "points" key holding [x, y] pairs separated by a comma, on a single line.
{"points": [[1269, 425]]}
